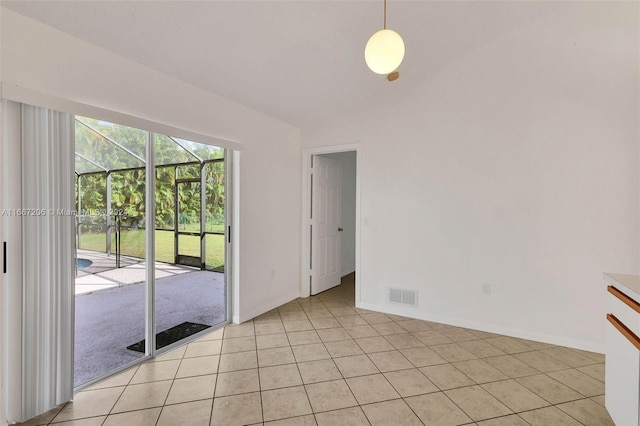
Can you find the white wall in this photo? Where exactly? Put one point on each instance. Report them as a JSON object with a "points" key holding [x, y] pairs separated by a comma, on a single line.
{"points": [[45, 60], [516, 165], [347, 162]]}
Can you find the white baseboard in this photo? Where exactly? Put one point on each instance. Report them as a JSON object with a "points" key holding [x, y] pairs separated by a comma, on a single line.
{"points": [[490, 328], [266, 308]]}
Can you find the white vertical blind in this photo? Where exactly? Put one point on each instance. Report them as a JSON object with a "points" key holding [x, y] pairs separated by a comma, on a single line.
{"points": [[48, 259]]}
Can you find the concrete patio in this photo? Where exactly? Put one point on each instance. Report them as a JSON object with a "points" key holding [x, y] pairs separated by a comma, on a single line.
{"points": [[110, 310]]}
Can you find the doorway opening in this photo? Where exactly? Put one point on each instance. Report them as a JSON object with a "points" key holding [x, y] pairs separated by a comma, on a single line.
{"points": [[331, 219]]}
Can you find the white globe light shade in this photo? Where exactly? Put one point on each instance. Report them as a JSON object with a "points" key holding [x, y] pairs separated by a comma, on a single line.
{"points": [[384, 51]]}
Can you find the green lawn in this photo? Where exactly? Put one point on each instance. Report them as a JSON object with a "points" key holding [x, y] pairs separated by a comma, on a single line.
{"points": [[132, 243]]}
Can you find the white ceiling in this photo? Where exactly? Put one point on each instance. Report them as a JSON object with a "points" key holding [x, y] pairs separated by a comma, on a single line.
{"points": [[294, 60]]}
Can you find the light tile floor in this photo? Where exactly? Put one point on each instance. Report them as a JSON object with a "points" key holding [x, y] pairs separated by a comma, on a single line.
{"points": [[321, 361]]}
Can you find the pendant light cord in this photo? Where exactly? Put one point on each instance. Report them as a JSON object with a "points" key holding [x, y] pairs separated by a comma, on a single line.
{"points": [[385, 15]]}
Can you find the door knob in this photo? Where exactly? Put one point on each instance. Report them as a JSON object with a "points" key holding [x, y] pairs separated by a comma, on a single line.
{"points": [[340, 229]]}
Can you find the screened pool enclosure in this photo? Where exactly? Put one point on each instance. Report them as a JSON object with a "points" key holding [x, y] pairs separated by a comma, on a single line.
{"points": [[110, 196]]}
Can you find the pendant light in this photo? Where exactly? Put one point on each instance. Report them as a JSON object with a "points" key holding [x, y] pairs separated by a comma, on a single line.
{"points": [[384, 50]]}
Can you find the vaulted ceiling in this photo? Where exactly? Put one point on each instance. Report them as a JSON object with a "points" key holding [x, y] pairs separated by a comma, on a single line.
{"points": [[294, 60]]}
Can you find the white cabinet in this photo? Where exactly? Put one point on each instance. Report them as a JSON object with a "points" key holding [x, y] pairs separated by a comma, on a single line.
{"points": [[622, 369]]}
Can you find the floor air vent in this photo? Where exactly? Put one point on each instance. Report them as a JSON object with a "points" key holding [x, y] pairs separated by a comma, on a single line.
{"points": [[404, 297]]}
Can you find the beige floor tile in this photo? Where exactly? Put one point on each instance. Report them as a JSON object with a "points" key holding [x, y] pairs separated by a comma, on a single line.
{"points": [[265, 328], [509, 345], [120, 379], [319, 313], [356, 365], [373, 388], [548, 416], [511, 366], [596, 357], [310, 352], [324, 322], [404, 341], [331, 395], [293, 315], [596, 371], [433, 337], [200, 366], [269, 341], [536, 346], [237, 382], [515, 396], [206, 348], [275, 356], [512, 420], [343, 311], [282, 403], [396, 317], [303, 337], [196, 413], [599, 399], [318, 371], [90, 403], [145, 395], [297, 325], [237, 410], [477, 403], [90, 421], [333, 334], [212, 335], [239, 344], [587, 412], [437, 409], [308, 420], [343, 348], [422, 357], [549, 389], [360, 331], [410, 382], [346, 417], [482, 334], [446, 376], [386, 413], [481, 349], [134, 418], [479, 371], [156, 371], [279, 376], [374, 344], [541, 362], [414, 325], [271, 316], [388, 328], [239, 330], [375, 318], [238, 361], [351, 321], [568, 357], [192, 389], [390, 361], [176, 353], [459, 335], [453, 352], [580, 382]]}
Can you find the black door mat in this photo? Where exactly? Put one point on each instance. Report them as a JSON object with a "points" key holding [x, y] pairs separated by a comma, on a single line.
{"points": [[171, 335]]}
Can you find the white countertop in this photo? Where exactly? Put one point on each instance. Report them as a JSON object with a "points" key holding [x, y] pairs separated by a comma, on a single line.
{"points": [[629, 282]]}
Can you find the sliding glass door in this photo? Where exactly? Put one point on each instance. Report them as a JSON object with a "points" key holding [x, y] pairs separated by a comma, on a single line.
{"points": [[150, 244]]}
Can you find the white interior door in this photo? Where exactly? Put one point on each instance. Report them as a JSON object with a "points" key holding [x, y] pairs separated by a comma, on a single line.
{"points": [[325, 224]]}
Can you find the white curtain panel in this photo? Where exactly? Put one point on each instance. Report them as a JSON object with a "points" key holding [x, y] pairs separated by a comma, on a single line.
{"points": [[48, 226]]}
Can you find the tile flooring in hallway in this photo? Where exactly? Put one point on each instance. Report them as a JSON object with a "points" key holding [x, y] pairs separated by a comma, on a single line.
{"points": [[321, 361]]}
